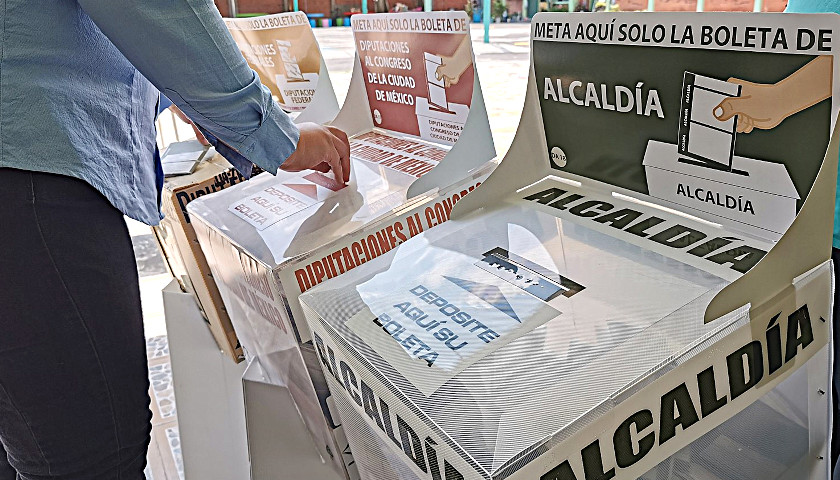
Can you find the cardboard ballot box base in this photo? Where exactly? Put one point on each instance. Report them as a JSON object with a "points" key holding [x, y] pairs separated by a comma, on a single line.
{"points": [[177, 239], [754, 193]]}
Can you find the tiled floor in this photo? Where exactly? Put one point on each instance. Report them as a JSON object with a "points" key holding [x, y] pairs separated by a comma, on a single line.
{"points": [[164, 457]]}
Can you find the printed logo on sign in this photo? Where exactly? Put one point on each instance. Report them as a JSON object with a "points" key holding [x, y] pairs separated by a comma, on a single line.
{"points": [[558, 157], [491, 294], [377, 116]]}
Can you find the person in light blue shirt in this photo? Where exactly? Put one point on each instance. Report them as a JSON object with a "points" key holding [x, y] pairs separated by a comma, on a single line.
{"points": [[79, 89], [818, 6]]}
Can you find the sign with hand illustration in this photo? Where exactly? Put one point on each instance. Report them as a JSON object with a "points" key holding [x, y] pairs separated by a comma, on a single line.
{"points": [[418, 72], [283, 51], [731, 127]]}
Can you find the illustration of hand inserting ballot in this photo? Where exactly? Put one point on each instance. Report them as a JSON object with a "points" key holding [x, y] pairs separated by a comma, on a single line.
{"points": [[451, 68], [702, 170], [443, 72], [765, 106], [713, 111], [438, 117], [294, 84]]}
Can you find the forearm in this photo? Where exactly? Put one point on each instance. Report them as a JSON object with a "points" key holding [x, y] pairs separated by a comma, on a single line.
{"points": [[807, 86], [462, 58]]}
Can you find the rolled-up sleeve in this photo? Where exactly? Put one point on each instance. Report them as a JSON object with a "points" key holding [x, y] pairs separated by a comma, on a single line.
{"points": [[185, 50]]}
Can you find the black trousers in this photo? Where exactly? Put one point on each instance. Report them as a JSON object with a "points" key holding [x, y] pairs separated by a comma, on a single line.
{"points": [[74, 400]]}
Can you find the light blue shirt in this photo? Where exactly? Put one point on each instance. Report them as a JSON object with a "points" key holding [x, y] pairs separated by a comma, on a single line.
{"points": [[79, 82], [818, 6]]}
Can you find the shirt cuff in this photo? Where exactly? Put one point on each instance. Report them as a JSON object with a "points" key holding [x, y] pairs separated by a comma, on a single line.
{"points": [[273, 141]]}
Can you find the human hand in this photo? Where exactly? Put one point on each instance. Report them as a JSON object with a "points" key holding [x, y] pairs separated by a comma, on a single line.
{"points": [[453, 67], [321, 148], [766, 105], [448, 71], [758, 106], [198, 135]]}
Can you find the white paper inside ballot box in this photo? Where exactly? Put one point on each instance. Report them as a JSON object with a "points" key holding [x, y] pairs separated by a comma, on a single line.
{"points": [[762, 195]]}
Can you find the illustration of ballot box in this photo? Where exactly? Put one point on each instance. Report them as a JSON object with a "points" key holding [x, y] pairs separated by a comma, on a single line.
{"points": [[562, 327], [762, 203], [440, 124], [298, 93], [703, 173]]}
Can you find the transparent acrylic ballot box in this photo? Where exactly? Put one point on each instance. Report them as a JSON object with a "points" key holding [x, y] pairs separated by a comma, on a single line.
{"points": [[264, 255], [261, 272], [616, 371], [641, 289], [275, 237]]}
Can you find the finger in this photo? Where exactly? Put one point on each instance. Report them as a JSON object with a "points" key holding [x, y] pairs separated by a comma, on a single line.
{"points": [[725, 109], [345, 165], [749, 125], [447, 82], [343, 160], [744, 124], [342, 137], [738, 81], [335, 163], [342, 145]]}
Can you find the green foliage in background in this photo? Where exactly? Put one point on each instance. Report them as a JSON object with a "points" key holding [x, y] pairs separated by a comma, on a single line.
{"points": [[499, 8]]}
